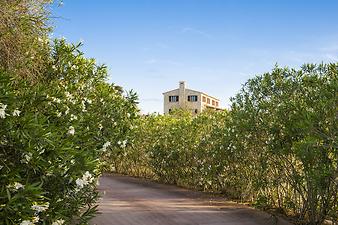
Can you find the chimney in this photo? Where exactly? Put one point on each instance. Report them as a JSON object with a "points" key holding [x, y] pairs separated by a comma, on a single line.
{"points": [[182, 85], [182, 94]]}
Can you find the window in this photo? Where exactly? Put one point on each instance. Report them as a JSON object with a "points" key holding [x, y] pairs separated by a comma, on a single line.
{"points": [[213, 102], [204, 99], [208, 100], [217, 103], [173, 98], [192, 98]]}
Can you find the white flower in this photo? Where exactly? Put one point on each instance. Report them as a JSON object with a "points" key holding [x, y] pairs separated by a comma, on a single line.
{"points": [[41, 151], [105, 146], [16, 112], [122, 144], [58, 222], [40, 208], [57, 100], [16, 186], [128, 115], [54, 67], [68, 95], [87, 100], [58, 114], [100, 126], [71, 130], [73, 117], [87, 174], [35, 219], [2, 111], [26, 158], [67, 110], [80, 183], [84, 106], [86, 179], [26, 222]]}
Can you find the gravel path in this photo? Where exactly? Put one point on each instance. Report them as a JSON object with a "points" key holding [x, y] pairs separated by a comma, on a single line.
{"points": [[133, 201]]}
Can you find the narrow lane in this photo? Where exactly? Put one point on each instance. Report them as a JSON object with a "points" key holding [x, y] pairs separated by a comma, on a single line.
{"points": [[133, 201]]}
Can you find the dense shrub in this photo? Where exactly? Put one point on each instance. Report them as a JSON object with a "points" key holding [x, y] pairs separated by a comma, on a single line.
{"points": [[24, 30], [52, 137], [174, 149], [276, 147], [61, 123], [58, 117], [286, 126]]}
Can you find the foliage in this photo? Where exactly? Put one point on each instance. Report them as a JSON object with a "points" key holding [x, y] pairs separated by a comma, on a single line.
{"points": [[61, 123], [52, 136], [276, 147], [24, 43], [58, 117], [286, 122]]}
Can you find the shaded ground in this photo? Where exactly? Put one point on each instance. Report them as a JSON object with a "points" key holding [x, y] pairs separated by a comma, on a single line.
{"points": [[133, 201]]}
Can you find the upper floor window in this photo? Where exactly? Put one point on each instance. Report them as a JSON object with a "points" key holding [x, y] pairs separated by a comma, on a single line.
{"points": [[192, 98], [217, 104], [173, 98], [208, 100], [204, 99]]}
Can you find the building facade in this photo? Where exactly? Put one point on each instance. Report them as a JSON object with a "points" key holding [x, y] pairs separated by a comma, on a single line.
{"points": [[183, 98]]}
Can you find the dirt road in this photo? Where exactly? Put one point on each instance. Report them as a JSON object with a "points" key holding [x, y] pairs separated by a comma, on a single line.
{"points": [[132, 201]]}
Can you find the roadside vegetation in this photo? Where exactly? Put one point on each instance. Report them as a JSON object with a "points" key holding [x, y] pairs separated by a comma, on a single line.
{"points": [[58, 114], [62, 123], [276, 147]]}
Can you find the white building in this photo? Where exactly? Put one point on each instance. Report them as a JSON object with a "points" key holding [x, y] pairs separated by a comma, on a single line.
{"points": [[184, 98]]}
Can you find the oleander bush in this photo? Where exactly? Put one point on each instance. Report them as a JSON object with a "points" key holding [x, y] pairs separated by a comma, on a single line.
{"points": [[58, 117], [24, 31], [177, 149], [62, 123], [53, 134], [286, 130], [276, 147]]}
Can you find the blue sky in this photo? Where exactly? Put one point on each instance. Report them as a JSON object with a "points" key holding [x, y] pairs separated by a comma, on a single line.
{"points": [[214, 45]]}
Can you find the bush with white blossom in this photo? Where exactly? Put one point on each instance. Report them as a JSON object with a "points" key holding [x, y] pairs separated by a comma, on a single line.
{"points": [[276, 147], [53, 134]]}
